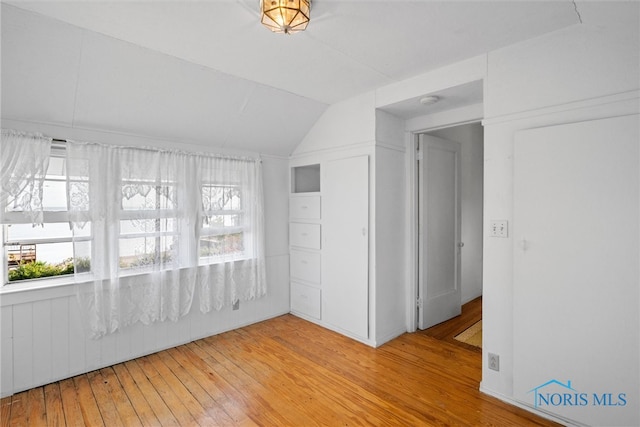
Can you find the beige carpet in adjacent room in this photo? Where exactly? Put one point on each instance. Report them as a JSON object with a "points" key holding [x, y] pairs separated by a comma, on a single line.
{"points": [[472, 335]]}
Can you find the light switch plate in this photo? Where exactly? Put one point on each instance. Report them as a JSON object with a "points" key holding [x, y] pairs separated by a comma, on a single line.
{"points": [[499, 228]]}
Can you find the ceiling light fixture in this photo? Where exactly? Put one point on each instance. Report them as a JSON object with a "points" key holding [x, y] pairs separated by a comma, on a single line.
{"points": [[428, 100], [285, 16]]}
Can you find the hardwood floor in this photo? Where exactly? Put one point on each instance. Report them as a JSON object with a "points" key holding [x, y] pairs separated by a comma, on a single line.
{"points": [[282, 372]]}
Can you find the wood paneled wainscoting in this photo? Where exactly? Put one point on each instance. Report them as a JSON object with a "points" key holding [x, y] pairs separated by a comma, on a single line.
{"points": [[281, 372]]}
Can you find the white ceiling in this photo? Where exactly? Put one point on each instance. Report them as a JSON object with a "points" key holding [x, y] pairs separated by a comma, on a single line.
{"points": [[447, 99], [349, 47], [224, 79]]}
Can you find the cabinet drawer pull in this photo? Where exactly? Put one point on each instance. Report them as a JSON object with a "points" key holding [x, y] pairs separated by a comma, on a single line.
{"points": [[304, 207], [304, 234], [304, 262]]}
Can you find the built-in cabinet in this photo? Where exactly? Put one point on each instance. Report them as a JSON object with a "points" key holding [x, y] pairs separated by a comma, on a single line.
{"points": [[305, 233], [329, 244]]}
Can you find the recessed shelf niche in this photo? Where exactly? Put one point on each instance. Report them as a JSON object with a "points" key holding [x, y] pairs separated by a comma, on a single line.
{"points": [[305, 179]]}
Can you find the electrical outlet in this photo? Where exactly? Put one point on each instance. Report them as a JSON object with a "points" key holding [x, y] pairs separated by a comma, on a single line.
{"points": [[499, 228], [494, 362], [236, 305]]}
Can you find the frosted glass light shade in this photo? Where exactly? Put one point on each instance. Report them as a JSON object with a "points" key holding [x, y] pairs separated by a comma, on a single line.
{"points": [[285, 16]]}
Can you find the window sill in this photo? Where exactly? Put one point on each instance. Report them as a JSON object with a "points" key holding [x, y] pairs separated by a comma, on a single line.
{"points": [[60, 287], [221, 259]]}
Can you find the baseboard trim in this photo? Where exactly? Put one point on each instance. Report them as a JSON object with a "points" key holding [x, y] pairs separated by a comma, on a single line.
{"points": [[388, 337], [542, 414]]}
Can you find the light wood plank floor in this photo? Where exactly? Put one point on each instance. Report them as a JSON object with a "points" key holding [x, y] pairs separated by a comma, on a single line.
{"points": [[282, 372]]}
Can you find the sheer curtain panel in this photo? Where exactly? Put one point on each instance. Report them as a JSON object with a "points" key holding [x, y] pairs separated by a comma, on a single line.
{"points": [[164, 226], [127, 200], [24, 159], [230, 235]]}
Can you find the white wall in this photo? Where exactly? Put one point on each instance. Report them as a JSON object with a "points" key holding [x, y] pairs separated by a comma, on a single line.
{"points": [[599, 57], [345, 123], [584, 72], [589, 241], [471, 139], [43, 340], [498, 315], [390, 215]]}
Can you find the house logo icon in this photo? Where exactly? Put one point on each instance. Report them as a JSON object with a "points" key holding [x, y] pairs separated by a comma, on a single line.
{"points": [[557, 393]]}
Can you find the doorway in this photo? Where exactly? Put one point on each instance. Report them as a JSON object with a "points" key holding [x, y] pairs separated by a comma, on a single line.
{"points": [[438, 302]]}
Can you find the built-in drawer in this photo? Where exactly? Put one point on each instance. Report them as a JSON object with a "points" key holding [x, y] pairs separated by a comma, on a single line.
{"points": [[305, 300], [304, 235], [304, 207], [305, 266]]}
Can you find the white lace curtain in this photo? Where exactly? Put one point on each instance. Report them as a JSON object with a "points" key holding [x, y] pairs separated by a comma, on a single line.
{"points": [[24, 159], [151, 229], [164, 225]]}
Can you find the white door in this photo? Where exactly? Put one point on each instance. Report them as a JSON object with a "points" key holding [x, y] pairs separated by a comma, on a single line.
{"points": [[439, 230], [345, 251], [576, 268]]}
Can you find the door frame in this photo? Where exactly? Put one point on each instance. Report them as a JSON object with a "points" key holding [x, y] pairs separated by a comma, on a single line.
{"points": [[413, 261]]}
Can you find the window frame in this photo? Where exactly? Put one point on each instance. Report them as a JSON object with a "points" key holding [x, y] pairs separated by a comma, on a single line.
{"points": [[158, 214], [243, 228], [48, 217]]}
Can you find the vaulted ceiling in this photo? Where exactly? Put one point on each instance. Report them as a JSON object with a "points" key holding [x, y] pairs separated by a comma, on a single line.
{"points": [[207, 72]]}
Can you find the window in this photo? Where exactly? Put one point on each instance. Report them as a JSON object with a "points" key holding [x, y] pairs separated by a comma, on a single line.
{"points": [[222, 235], [151, 224], [47, 250], [149, 229]]}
